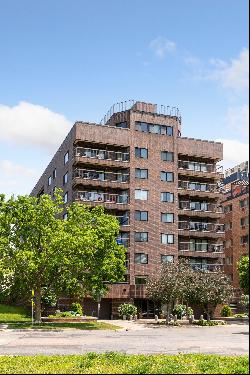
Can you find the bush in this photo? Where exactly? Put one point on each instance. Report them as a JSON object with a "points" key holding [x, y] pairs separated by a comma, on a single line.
{"points": [[189, 311], [209, 323], [77, 308], [226, 311], [179, 310], [127, 309], [244, 301]]}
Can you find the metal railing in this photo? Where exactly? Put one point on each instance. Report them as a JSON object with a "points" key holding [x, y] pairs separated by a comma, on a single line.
{"points": [[123, 241], [92, 196], [201, 247], [123, 220], [87, 174], [198, 186], [207, 267], [101, 154], [199, 167], [201, 227], [200, 206]]}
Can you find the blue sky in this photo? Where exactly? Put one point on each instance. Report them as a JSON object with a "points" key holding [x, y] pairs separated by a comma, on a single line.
{"points": [[63, 61]]}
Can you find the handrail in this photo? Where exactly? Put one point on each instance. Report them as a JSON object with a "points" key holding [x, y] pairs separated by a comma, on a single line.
{"points": [[89, 174], [208, 207], [201, 247], [192, 185], [101, 154], [93, 196], [207, 167]]}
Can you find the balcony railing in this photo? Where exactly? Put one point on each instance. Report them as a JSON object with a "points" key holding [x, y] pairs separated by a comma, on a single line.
{"points": [[199, 167], [200, 206], [206, 267], [123, 220], [123, 241], [101, 175], [197, 186], [201, 227], [92, 196], [201, 247], [101, 154]]}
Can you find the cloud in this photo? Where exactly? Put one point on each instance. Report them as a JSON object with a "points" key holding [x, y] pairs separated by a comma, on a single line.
{"points": [[234, 152], [162, 46], [32, 125], [8, 168], [233, 75], [237, 119]]}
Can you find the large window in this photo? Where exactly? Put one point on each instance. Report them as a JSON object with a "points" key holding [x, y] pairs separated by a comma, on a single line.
{"points": [[167, 156], [141, 236], [141, 173], [244, 221], [167, 258], [244, 203], [167, 176], [122, 125], [65, 198], [153, 128], [65, 178], [49, 180], [141, 153], [228, 208], [141, 258], [141, 215], [167, 217], [167, 239], [54, 174], [141, 194], [140, 280], [66, 157], [244, 240], [167, 197]]}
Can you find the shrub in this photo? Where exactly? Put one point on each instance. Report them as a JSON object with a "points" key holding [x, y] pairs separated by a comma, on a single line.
{"points": [[77, 308], [179, 310], [244, 301], [226, 311], [209, 323], [189, 311], [127, 309]]}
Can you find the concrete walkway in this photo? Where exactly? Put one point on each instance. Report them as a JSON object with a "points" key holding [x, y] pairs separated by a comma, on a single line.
{"points": [[132, 338]]}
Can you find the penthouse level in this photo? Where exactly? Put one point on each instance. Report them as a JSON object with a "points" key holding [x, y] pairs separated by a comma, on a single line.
{"points": [[163, 188]]}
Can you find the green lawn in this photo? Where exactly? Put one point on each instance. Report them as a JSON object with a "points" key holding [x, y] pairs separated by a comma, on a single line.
{"points": [[116, 363], [13, 314], [84, 325]]}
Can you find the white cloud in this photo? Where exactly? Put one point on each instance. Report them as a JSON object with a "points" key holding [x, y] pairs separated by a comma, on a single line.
{"points": [[234, 152], [237, 119], [8, 168], [32, 125], [233, 75], [162, 46]]}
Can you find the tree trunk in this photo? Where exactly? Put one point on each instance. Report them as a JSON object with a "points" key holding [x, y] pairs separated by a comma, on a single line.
{"points": [[38, 298]]}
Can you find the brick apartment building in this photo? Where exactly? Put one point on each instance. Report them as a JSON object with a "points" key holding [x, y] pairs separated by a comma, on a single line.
{"points": [[236, 220], [162, 187]]}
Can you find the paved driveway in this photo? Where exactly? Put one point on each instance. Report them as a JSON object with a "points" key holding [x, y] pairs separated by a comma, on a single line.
{"points": [[133, 338]]}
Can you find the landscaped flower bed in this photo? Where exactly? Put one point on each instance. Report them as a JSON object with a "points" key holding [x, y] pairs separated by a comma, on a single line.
{"points": [[77, 319]]}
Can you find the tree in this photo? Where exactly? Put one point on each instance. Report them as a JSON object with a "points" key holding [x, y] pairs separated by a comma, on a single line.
{"points": [[211, 289], [74, 257], [243, 270]]}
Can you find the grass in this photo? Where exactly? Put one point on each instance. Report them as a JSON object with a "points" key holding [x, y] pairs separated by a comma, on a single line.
{"points": [[117, 363], [13, 314], [83, 326]]}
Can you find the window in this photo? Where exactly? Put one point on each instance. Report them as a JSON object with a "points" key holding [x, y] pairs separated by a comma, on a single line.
{"points": [[228, 226], [167, 156], [228, 208], [244, 240], [228, 243], [141, 173], [170, 131], [141, 153], [167, 218], [140, 280], [122, 125], [167, 176], [66, 157], [229, 260], [54, 174], [65, 216], [49, 180], [65, 178], [153, 128], [141, 236], [244, 221], [141, 258], [167, 197], [244, 203], [141, 215], [167, 258], [167, 239], [65, 198], [141, 194]]}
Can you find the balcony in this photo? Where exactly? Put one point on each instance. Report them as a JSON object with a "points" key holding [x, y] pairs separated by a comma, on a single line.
{"points": [[192, 168], [123, 240], [208, 249], [200, 209], [123, 220], [91, 155], [206, 229], [106, 178], [198, 188], [207, 267], [100, 198]]}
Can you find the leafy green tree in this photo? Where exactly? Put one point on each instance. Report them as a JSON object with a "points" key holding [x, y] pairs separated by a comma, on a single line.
{"points": [[77, 257], [243, 270]]}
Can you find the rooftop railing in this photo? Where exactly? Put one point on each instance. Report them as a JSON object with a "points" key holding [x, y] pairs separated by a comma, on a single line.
{"points": [[101, 154], [92, 196], [87, 174], [201, 227], [198, 186], [201, 247], [199, 167], [200, 206]]}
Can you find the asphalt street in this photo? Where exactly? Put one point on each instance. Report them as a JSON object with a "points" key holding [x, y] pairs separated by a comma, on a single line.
{"points": [[132, 338]]}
